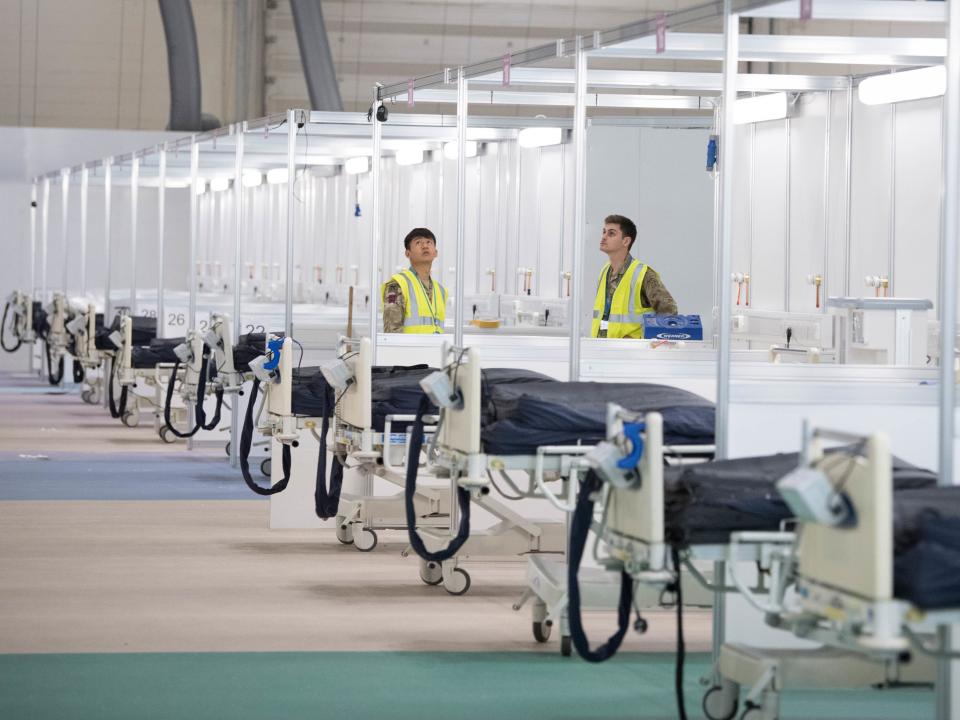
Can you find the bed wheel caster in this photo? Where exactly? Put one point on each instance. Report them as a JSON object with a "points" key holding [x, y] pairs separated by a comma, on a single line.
{"points": [[751, 712], [430, 572], [720, 706], [365, 540], [566, 646], [91, 397], [458, 582], [541, 631], [640, 626], [344, 531], [166, 435], [131, 418], [265, 467]]}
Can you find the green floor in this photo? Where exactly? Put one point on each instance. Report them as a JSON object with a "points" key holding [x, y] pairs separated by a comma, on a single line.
{"points": [[387, 686]]}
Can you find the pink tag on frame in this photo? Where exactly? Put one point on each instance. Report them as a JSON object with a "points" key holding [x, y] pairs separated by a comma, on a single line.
{"points": [[661, 33], [806, 10], [410, 85], [506, 69]]}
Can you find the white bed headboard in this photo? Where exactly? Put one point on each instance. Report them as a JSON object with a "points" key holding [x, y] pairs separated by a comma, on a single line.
{"points": [[280, 395], [638, 513], [859, 559], [357, 398], [461, 428]]}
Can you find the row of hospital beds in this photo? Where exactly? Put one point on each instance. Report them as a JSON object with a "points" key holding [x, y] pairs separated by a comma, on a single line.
{"points": [[631, 465], [125, 365], [840, 543]]}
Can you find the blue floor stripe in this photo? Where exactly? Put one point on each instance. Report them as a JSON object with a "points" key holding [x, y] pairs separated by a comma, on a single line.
{"points": [[125, 476]]}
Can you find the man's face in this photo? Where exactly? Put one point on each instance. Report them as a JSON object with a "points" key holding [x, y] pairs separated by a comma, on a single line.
{"points": [[422, 250], [612, 239]]}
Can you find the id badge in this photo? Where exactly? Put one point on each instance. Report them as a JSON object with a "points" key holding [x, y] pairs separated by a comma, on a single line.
{"points": [[604, 325]]}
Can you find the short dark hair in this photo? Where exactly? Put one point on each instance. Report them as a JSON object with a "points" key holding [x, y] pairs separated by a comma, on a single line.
{"points": [[626, 226], [418, 233]]}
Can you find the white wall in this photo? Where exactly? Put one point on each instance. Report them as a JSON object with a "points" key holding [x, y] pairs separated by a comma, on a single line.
{"points": [[656, 177], [791, 204]]}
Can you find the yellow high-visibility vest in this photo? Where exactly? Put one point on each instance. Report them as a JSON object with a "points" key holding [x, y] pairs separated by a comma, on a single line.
{"points": [[420, 315], [626, 308]]}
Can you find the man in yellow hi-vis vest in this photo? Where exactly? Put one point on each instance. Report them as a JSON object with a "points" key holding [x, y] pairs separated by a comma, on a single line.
{"points": [[413, 302], [628, 289]]}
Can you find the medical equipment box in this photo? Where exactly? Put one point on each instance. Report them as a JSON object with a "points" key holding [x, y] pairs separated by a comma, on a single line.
{"points": [[672, 327]]}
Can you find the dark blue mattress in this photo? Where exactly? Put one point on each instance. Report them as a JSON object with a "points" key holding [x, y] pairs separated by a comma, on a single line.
{"points": [[524, 417], [705, 503], [926, 538], [396, 390], [160, 350]]}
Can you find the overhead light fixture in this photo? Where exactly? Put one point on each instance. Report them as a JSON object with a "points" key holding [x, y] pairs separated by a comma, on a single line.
{"points": [[219, 184], [357, 165], [450, 149], [318, 160], [539, 137], [277, 176], [771, 106], [252, 178], [201, 186], [176, 183], [408, 156], [926, 82]]}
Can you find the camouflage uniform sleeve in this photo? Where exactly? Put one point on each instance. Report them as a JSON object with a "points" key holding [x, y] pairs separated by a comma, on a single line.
{"points": [[655, 294], [393, 308]]}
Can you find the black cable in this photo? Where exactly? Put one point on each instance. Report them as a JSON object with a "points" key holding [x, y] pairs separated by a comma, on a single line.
{"points": [[579, 529], [3, 327], [410, 489], [681, 643], [246, 442]]}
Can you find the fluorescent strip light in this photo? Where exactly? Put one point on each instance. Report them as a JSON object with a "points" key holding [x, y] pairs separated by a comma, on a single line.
{"points": [[277, 176], [907, 85], [219, 184], [539, 137], [772, 106], [176, 183], [450, 149], [408, 156], [201, 186], [252, 178], [357, 165]]}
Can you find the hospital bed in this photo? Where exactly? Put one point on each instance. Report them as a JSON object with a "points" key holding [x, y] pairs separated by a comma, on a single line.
{"points": [[298, 399], [17, 323], [89, 361], [873, 569], [541, 430], [656, 523]]}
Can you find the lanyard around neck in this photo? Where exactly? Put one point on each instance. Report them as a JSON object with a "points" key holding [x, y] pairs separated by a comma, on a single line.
{"points": [[430, 304]]}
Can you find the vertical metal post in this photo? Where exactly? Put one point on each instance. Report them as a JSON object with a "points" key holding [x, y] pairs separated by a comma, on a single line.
{"points": [[44, 226], [848, 183], [239, 133], [579, 202], [33, 240], [375, 229], [731, 29], [161, 244], [727, 155], [787, 245], [194, 230], [892, 230], [84, 197], [64, 224], [134, 204], [462, 110], [538, 270], [825, 267], [563, 217], [291, 179], [946, 698], [107, 241]]}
